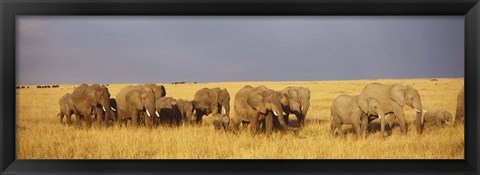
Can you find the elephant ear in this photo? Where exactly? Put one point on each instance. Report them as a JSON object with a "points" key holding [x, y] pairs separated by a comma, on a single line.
{"points": [[362, 102], [164, 92], [397, 93], [293, 95], [213, 96], [256, 101], [133, 98]]}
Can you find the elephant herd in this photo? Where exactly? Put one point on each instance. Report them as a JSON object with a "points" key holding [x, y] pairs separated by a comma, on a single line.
{"points": [[256, 108], [386, 102]]}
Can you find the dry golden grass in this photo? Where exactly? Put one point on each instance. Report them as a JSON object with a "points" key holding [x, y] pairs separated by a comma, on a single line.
{"points": [[41, 136]]}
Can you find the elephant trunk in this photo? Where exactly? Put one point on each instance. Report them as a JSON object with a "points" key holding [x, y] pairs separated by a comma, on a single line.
{"points": [[278, 112], [382, 124], [226, 108], [106, 109]]}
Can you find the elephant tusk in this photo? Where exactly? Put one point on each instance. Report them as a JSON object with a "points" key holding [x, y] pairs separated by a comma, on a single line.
{"points": [[113, 109], [156, 113], [148, 113], [301, 108], [104, 110], [275, 113], [284, 113], [424, 111], [224, 111], [417, 110], [380, 116]]}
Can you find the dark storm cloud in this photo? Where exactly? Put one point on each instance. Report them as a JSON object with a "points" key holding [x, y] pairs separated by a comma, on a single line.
{"points": [[58, 50]]}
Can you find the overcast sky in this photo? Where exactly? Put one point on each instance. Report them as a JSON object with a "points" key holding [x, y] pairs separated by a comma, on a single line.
{"points": [[164, 49]]}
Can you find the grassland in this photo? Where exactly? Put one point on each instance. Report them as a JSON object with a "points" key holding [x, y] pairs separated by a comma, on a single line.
{"points": [[41, 136]]}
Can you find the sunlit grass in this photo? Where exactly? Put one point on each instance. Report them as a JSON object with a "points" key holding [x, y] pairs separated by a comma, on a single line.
{"points": [[41, 136]]}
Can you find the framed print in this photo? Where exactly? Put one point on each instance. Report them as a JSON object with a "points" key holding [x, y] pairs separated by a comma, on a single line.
{"points": [[336, 87]]}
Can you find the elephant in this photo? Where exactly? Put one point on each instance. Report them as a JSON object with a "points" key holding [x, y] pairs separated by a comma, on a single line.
{"points": [[132, 101], [254, 104], [211, 101], [88, 100], [299, 103], [460, 110], [159, 92], [186, 110], [66, 108], [437, 117], [393, 98], [112, 113], [352, 110], [168, 110], [221, 121]]}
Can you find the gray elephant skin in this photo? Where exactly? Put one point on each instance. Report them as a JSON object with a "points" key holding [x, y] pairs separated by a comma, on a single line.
{"points": [[352, 110], [221, 122], [460, 110], [159, 92], [134, 100], [393, 98], [437, 117], [299, 103], [91, 99], [253, 105], [66, 108], [186, 110], [168, 110], [211, 101]]}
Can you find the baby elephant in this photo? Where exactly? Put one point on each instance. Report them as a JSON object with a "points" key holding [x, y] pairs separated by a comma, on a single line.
{"points": [[221, 121], [437, 117]]}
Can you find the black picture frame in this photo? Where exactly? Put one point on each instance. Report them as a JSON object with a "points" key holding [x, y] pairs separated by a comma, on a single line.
{"points": [[10, 8]]}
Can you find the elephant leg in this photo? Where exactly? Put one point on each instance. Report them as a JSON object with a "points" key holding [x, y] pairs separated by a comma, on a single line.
{"points": [[364, 124], [285, 118], [235, 124], [300, 120], [253, 126], [199, 116], [99, 113], [340, 131], [358, 132], [69, 118], [333, 127], [77, 117], [61, 115], [398, 110], [269, 124], [148, 121], [135, 118]]}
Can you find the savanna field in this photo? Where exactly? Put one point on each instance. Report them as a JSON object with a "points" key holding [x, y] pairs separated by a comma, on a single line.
{"points": [[40, 135]]}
